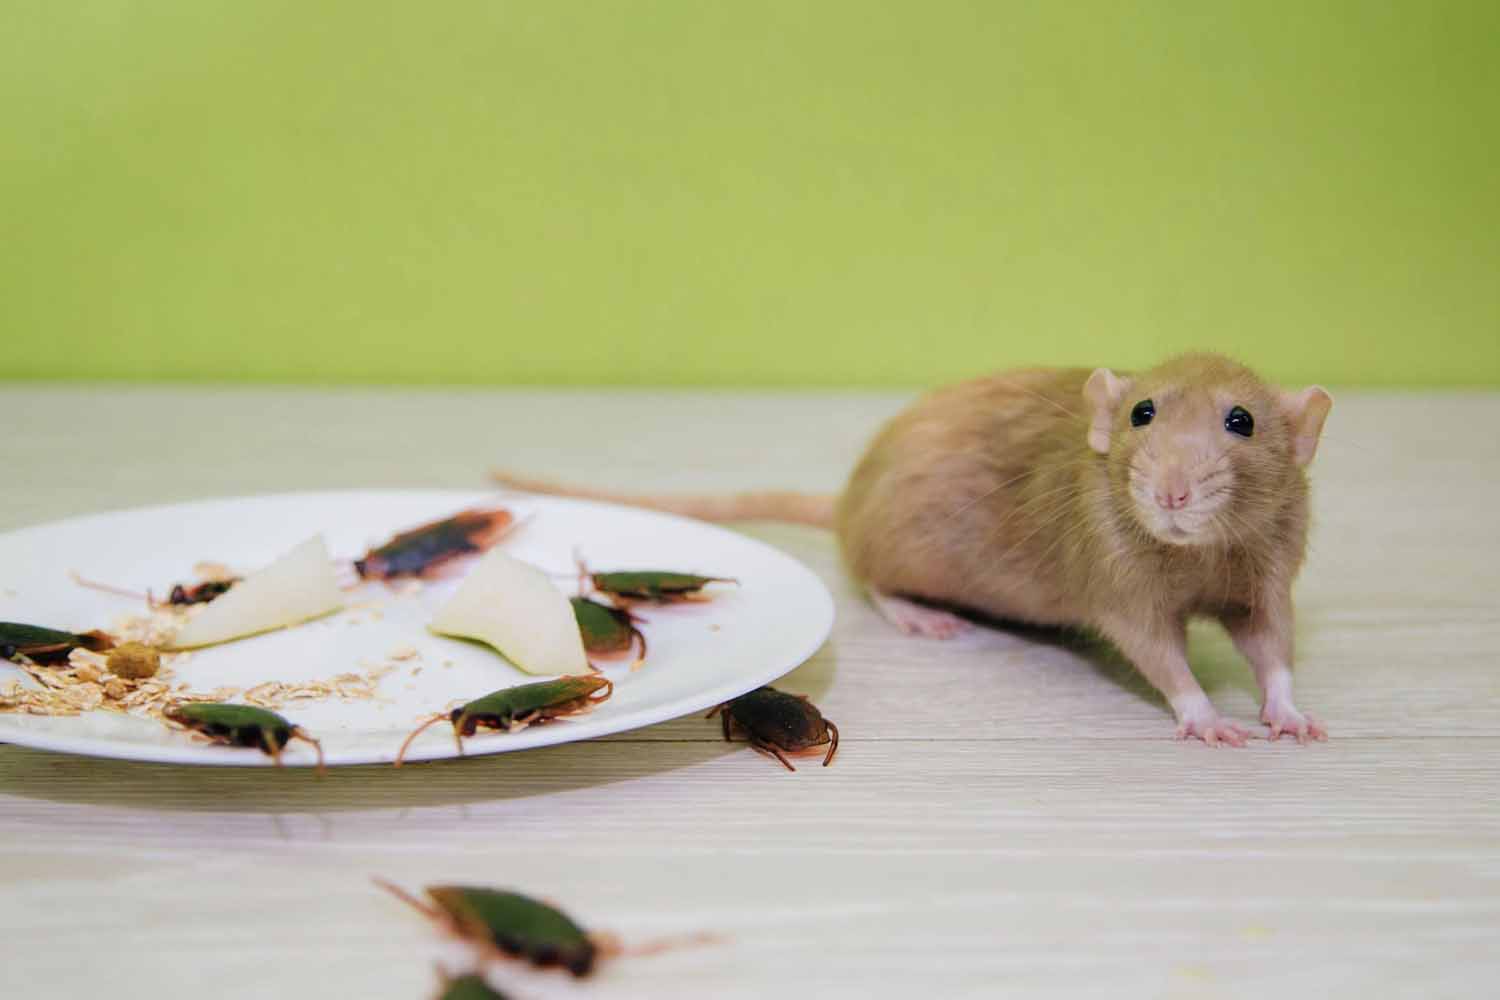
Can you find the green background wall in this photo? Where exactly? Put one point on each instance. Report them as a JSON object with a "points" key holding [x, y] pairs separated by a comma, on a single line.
{"points": [[807, 192]]}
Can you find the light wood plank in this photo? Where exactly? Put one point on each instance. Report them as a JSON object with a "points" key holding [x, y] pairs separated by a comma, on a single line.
{"points": [[1007, 815]]}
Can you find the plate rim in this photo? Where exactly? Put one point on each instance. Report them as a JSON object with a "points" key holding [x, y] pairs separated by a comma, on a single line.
{"points": [[534, 738]]}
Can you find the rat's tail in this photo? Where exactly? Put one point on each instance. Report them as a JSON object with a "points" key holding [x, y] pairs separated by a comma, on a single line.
{"points": [[801, 508]]}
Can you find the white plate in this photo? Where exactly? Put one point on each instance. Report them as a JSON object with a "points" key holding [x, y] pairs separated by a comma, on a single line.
{"points": [[700, 654]]}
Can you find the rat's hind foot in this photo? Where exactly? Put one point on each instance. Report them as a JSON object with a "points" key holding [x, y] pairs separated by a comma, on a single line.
{"points": [[1281, 716], [1200, 721], [918, 619]]}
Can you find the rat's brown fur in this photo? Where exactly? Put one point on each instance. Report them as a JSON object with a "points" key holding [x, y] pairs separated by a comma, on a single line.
{"points": [[986, 495], [1028, 496]]}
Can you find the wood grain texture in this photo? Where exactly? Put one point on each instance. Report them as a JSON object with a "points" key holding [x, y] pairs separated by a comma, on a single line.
{"points": [[1007, 815]]}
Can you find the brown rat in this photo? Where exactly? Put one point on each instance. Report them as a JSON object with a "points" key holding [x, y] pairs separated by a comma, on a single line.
{"points": [[1125, 504]]}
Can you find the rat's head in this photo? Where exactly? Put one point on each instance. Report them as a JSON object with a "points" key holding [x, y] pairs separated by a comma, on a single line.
{"points": [[1201, 450]]}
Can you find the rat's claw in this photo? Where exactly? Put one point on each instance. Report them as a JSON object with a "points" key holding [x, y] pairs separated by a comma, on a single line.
{"points": [[1212, 728], [1283, 717]]}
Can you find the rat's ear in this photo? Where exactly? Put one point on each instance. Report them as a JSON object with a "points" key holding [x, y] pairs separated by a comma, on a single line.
{"points": [[1306, 411], [1103, 392]]}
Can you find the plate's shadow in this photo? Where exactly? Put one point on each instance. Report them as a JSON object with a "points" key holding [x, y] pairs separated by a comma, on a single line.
{"points": [[68, 778], [675, 745]]}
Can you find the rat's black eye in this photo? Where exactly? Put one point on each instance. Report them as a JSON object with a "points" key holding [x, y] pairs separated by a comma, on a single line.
{"points": [[1143, 412], [1240, 422]]}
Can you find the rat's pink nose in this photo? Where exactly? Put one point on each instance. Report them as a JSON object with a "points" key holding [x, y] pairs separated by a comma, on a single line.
{"points": [[1173, 493]]}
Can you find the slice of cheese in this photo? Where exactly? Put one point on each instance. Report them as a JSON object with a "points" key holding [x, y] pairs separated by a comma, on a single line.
{"points": [[295, 588], [514, 607]]}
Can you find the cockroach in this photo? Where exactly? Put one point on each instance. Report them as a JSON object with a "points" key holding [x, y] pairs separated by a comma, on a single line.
{"points": [[777, 723], [512, 709], [48, 646], [241, 726], [418, 551], [656, 586], [503, 923], [181, 595], [500, 924], [469, 986], [200, 593], [607, 630]]}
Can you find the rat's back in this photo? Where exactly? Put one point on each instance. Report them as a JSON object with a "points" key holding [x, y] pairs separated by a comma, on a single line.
{"points": [[958, 485]]}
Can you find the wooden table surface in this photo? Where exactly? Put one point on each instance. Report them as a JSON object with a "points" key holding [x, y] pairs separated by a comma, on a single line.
{"points": [[1006, 817]]}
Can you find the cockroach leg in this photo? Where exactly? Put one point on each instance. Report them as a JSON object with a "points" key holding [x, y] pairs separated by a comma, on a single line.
{"points": [[401, 754], [585, 580], [772, 751], [430, 912], [610, 946], [301, 734], [835, 743], [109, 589]]}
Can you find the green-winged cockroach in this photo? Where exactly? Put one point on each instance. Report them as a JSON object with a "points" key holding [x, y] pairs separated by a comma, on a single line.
{"points": [[420, 550], [48, 646], [241, 726], [607, 630], [499, 923], [777, 723], [654, 586], [469, 986], [515, 708]]}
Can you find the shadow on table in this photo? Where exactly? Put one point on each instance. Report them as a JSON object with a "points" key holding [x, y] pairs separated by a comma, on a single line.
{"points": [[641, 754], [1216, 664], [543, 771]]}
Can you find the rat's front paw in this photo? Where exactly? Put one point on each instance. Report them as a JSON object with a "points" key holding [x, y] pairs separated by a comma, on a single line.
{"points": [[1199, 721], [1283, 717]]}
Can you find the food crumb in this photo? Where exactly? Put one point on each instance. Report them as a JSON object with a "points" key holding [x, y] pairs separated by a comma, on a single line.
{"points": [[132, 661], [405, 653]]}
